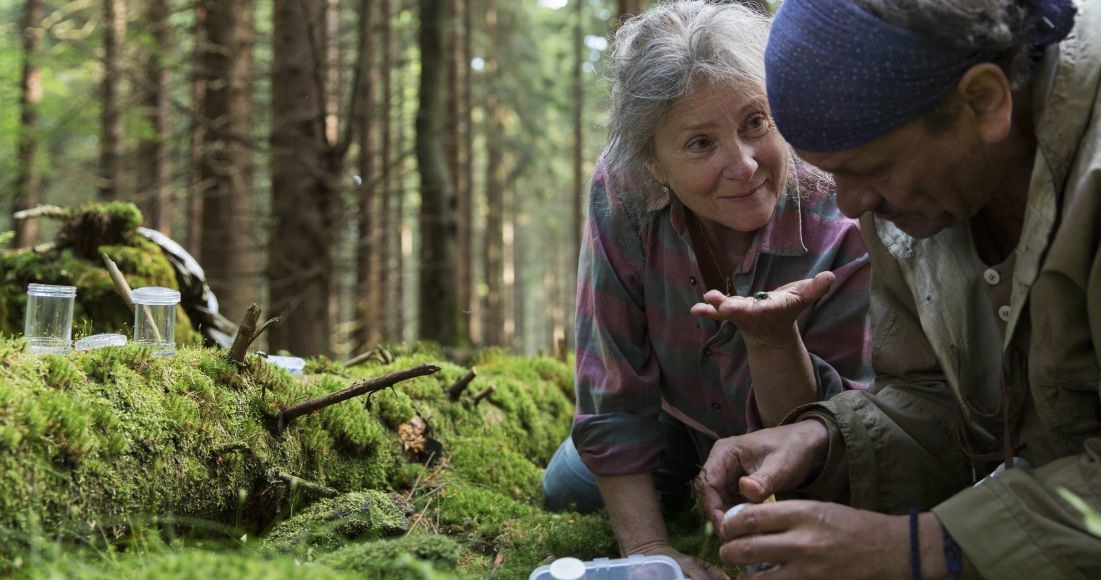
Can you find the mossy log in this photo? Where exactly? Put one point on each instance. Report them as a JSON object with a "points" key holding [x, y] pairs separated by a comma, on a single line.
{"points": [[94, 444], [86, 232]]}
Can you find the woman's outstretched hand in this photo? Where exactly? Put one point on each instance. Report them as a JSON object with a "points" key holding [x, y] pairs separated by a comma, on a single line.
{"points": [[768, 319]]}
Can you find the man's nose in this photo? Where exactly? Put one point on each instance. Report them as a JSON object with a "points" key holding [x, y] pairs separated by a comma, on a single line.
{"points": [[854, 198], [741, 164]]}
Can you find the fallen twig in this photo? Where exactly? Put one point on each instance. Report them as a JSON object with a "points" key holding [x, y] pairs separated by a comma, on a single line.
{"points": [[246, 333], [122, 287], [456, 390], [485, 393], [369, 386], [307, 486], [359, 359], [40, 211]]}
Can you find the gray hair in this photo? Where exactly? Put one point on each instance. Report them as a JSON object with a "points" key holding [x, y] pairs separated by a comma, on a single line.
{"points": [[999, 28], [663, 55]]}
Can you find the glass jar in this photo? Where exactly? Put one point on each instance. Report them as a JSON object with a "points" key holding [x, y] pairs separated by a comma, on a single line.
{"points": [[48, 323], [155, 319]]}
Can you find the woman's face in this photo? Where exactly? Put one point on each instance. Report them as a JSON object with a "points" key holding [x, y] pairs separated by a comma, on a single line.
{"points": [[722, 157]]}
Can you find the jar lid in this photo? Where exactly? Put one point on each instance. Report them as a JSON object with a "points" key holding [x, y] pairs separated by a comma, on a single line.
{"points": [[100, 341], [51, 291], [155, 296], [291, 364], [567, 569]]}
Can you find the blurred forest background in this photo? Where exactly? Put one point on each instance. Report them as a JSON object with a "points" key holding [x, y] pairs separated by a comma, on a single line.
{"points": [[369, 170]]}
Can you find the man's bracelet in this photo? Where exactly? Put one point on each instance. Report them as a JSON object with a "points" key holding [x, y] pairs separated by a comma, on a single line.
{"points": [[915, 546], [953, 556]]}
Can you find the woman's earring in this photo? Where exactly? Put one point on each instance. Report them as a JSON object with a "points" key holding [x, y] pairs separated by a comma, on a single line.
{"points": [[665, 189]]}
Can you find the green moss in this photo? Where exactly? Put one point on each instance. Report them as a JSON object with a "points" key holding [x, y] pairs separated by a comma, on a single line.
{"points": [[93, 441], [412, 557], [189, 565], [331, 523]]}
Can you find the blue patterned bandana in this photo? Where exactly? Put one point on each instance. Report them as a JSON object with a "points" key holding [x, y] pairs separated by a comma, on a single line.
{"points": [[838, 77]]}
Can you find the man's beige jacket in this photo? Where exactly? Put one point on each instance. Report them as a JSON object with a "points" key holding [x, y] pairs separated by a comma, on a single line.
{"points": [[940, 359]]}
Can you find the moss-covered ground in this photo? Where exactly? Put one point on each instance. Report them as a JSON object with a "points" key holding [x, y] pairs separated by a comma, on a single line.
{"points": [[117, 464]]}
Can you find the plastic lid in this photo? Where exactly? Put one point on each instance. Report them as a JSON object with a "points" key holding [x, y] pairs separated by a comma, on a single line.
{"points": [[100, 341], [292, 364], [51, 291], [567, 569], [155, 296]]}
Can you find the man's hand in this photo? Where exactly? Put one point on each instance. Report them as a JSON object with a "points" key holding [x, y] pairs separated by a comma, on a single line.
{"points": [[810, 540], [770, 320], [759, 464], [692, 567]]}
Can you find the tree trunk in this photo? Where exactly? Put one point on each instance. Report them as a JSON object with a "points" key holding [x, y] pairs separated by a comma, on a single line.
{"points": [[493, 240], [196, 136], [110, 156], [456, 128], [228, 251], [27, 181], [624, 10], [304, 203], [388, 248], [465, 194], [154, 169], [368, 303], [439, 307]]}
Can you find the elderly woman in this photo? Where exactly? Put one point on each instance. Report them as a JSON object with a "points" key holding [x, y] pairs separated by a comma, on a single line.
{"points": [[698, 191]]}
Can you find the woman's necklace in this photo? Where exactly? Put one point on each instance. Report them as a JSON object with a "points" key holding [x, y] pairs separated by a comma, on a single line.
{"points": [[700, 233]]}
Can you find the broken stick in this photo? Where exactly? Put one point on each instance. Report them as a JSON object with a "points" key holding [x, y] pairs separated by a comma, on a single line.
{"points": [[456, 390], [363, 387], [307, 486]]}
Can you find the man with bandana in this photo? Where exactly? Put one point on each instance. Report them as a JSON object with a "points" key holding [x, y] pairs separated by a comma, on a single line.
{"points": [[967, 136]]}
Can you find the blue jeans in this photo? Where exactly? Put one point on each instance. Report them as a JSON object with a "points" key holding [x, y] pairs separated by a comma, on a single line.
{"points": [[567, 482]]}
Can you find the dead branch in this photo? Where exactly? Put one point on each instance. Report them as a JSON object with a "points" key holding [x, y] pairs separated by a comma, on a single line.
{"points": [[485, 393], [363, 387], [246, 333], [269, 322], [384, 355], [40, 211], [307, 486], [456, 390], [122, 287], [359, 359]]}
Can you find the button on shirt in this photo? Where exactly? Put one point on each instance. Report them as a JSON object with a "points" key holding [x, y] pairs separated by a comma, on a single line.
{"points": [[640, 349], [999, 288]]}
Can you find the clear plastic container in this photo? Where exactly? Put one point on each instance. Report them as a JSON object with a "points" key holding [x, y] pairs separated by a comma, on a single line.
{"points": [[155, 319], [629, 568], [48, 323], [291, 364], [100, 341]]}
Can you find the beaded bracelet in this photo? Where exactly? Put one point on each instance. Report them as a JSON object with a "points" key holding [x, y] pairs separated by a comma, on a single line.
{"points": [[953, 556], [915, 546]]}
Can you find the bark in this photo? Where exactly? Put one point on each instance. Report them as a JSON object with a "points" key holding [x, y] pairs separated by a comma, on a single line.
{"points": [[389, 280], [439, 307], [368, 302], [493, 240], [456, 127], [304, 201], [154, 168], [28, 180], [465, 194], [196, 137], [626, 9], [111, 124], [228, 251]]}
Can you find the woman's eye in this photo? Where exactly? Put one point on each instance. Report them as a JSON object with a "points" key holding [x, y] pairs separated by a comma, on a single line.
{"points": [[699, 144], [755, 125]]}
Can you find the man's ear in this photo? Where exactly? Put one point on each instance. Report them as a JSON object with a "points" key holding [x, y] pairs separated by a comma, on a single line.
{"points": [[988, 100]]}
